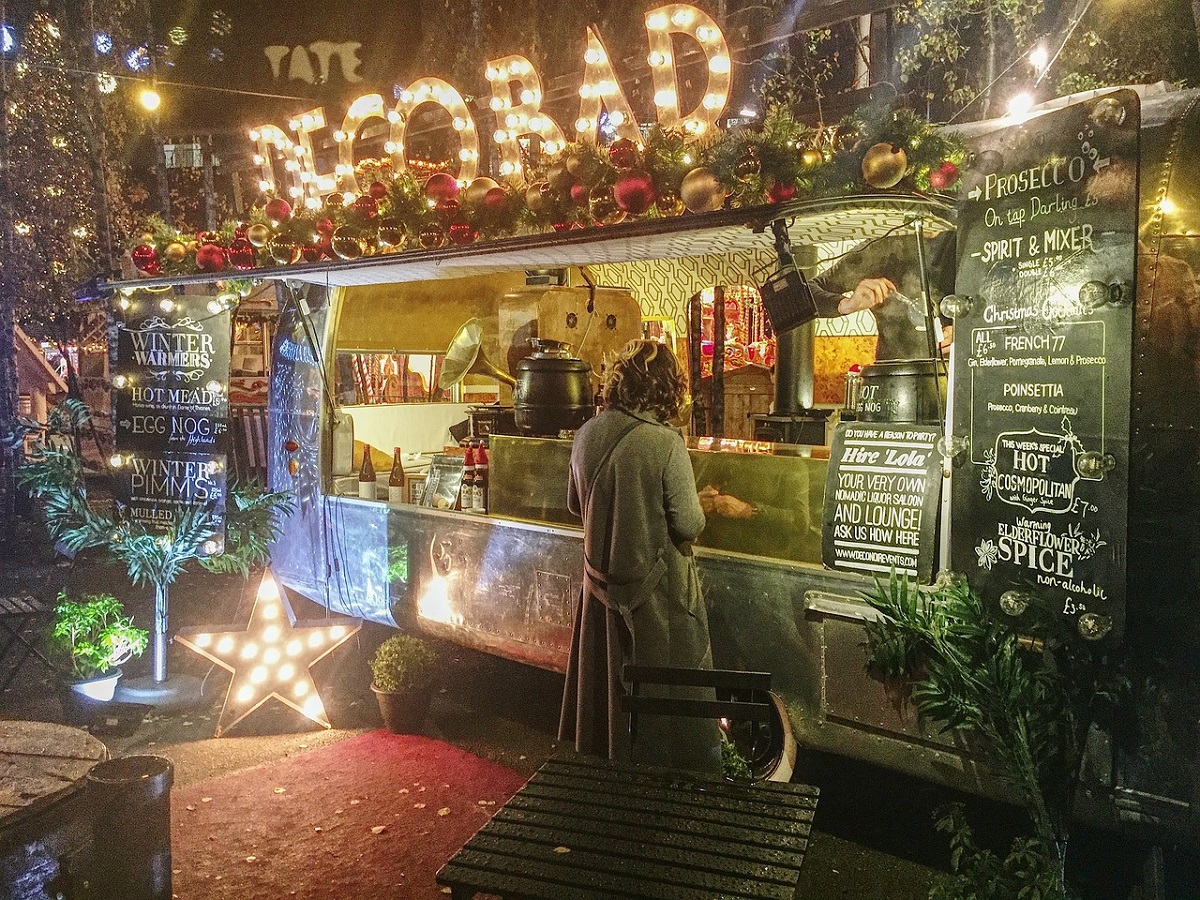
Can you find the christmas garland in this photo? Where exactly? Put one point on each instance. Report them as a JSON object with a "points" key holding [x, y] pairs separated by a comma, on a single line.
{"points": [[875, 148]]}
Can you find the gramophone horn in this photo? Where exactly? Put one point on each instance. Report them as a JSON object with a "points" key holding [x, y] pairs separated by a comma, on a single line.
{"points": [[464, 357]]}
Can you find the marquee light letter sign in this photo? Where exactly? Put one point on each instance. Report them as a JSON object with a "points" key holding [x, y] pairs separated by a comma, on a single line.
{"points": [[271, 656], [516, 98]]}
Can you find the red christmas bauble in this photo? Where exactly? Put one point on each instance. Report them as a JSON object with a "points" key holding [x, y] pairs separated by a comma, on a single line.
{"points": [[634, 191], [210, 257], [310, 253], [938, 180], [240, 230], [623, 153], [145, 258], [278, 210], [208, 237], [579, 193], [241, 253], [462, 232], [778, 192], [365, 206], [566, 225], [950, 171], [441, 186], [377, 190], [325, 225], [495, 201]]}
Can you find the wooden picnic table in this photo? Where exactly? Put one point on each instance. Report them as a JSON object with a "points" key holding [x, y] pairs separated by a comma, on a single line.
{"points": [[586, 829], [44, 828]]}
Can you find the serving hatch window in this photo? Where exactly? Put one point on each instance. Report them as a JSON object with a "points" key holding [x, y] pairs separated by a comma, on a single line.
{"points": [[371, 378]]}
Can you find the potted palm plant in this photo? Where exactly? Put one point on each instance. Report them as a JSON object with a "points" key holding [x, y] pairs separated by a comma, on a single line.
{"points": [[90, 639], [403, 674]]}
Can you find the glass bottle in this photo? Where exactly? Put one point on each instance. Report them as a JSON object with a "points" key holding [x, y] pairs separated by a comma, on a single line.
{"points": [[468, 481], [396, 479], [366, 475], [479, 493]]}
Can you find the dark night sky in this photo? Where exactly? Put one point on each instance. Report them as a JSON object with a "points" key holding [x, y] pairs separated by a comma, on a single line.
{"points": [[314, 56]]}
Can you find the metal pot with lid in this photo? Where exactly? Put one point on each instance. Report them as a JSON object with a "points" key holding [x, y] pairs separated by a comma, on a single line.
{"points": [[903, 391], [553, 392]]}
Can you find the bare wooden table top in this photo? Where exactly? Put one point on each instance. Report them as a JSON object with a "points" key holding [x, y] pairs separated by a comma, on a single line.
{"points": [[39, 763]]}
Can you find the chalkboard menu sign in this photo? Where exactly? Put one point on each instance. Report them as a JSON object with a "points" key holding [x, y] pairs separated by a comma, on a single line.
{"points": [[171, 402], [1046, 271], [881, 499]]}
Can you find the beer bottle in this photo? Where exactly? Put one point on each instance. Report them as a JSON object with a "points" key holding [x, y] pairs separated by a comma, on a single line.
{"points": [[479, 494], [396, 479], [468, 481], [366, 475]]}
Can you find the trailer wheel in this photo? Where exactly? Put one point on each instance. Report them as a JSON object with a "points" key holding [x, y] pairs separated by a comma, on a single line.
{"points": [[769, 748]]}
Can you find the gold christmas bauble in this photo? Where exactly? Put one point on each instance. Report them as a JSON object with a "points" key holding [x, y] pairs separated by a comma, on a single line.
{"points": [[347, 243], [175, 251], [701, 191], [478, 188], [884, 165], [258, 234]]}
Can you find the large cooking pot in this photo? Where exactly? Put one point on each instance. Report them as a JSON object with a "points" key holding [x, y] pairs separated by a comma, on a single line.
{"points": [[553, 391], [903, 390]]}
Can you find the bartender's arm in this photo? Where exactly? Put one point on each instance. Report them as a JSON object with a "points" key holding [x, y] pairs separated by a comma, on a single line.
{"points": [[867, 294]]}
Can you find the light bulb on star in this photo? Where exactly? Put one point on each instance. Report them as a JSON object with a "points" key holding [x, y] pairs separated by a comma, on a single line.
{"points": [[270, 657]]}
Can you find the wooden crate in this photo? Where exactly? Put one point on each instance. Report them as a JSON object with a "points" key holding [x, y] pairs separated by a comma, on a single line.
{"points": [[749, 391]]}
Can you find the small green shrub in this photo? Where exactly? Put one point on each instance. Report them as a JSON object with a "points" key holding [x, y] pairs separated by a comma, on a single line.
{"points": [[403, 662], [92, 636]]}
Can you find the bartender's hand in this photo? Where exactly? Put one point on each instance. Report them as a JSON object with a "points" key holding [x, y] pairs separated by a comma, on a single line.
{"points": [[708, 496], [867, 294], [731, 507]]}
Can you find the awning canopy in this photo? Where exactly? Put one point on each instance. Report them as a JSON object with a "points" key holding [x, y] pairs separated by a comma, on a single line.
{"points": [[849, 218]]}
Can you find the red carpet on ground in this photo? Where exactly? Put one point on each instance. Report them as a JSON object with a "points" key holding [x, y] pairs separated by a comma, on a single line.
{"points": [[368, 818]]}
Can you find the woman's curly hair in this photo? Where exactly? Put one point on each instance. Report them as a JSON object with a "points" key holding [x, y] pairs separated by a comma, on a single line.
{"points": [[646, 378]]}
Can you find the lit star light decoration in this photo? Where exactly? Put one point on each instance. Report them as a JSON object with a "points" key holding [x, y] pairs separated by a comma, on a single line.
{"points": [[271, 657]]}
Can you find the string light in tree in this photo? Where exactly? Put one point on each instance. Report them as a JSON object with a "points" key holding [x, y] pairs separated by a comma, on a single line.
{"points": [[511, 75], [445, 95], [271, 657], [602, 91], [680, 18]]}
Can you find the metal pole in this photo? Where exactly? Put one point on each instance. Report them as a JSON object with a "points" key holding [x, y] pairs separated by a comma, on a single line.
{"points": [[160, 633]]}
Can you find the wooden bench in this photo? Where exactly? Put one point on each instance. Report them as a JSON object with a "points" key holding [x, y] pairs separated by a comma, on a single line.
{"points": [[587, 829]]}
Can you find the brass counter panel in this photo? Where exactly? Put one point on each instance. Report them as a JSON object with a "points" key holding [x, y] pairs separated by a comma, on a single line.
{"points": [[784, 493]]}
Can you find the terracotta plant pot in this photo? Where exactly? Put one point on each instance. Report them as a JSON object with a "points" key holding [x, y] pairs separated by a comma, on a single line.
{"points": [[405, 711]]}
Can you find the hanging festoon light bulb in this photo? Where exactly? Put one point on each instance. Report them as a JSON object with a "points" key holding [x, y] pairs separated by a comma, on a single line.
{"points": [[1021, 103], [271, 657], [150, 99], [680, 18], [511, 75], [601, 91], [1039, 58], [362, 110], [445, 95]]}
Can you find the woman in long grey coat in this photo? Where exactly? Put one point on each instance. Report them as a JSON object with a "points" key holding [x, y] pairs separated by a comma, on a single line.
{"points": [[632, 484]]}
